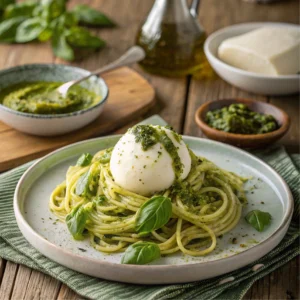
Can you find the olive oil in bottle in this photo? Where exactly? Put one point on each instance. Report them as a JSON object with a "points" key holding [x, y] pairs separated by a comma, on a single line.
{"points": [[173, 40]]}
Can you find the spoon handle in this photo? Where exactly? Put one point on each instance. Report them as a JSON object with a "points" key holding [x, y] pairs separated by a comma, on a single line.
{"points": [[133, 55], [194, 8]]}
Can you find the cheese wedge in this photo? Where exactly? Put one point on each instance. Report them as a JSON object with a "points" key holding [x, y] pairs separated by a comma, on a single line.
{"points": [[268, 50]]}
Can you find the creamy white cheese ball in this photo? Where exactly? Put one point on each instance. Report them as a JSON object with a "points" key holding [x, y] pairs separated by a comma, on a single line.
{"points": [[146, 172]]}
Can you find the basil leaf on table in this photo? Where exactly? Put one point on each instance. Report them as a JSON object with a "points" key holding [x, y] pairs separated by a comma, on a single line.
{"points": [[52, 9], [153, 214], [60, 46], [84, 160], [5, 3], [45, 35], [258, 219], [30, 30], [90, 16], [141, 253], [8, 29], [76, 221], [82, 38], [24, 9], [66, 20]]}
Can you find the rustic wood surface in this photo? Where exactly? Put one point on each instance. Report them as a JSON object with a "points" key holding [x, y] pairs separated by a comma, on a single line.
{"points": [[177, 100], [130, 96]]}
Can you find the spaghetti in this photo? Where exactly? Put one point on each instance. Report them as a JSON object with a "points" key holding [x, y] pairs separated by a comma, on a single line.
{"points": [[207, 204]]}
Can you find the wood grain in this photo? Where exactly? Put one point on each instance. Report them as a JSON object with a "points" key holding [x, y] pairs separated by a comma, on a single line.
{"points": [[130, 96], [22, 279], [291, 105], [8, 280], [2, 269], [40, 286], [66, 293]]}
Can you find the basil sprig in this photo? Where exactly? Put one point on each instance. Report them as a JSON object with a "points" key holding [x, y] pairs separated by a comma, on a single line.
{"points": [[8, 29], [141, 253], [49, 19], [30, 30], [20, 9], [5, 3], [153, 214], [84, 160], [89, 16], [258, 219], [76, 221]]}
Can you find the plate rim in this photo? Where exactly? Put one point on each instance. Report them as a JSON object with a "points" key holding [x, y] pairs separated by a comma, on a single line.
{"points": [[22, 223]]}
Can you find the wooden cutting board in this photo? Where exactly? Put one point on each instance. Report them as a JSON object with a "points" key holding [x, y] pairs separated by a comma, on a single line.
{"points": [[130, 95]]}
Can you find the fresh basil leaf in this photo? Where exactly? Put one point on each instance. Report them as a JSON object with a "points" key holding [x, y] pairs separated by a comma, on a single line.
{"points": [[87, 184], [37, 11], [90, 16], [84, 160], [153, 214], [141, 253], [68, 20], [45, 35], [82, 186], [76, 221], [258, 219], [99, 200], [52, 9], [8, 29], [60, 46], [20, 9], [63, 23], [82, 38], [5, 3], [30, 30]]}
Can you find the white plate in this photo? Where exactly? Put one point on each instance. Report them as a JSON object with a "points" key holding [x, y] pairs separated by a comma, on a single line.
{"points": [[252, 82], [53, 240]]}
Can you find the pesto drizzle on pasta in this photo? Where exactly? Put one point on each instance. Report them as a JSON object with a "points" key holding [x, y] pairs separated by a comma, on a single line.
{"points": [[207, 204]]}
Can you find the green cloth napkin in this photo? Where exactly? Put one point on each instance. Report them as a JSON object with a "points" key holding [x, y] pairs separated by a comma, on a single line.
{"points": [[14, 247]]}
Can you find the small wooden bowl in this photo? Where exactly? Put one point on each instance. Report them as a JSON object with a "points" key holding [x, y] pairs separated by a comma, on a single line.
{"points": [[243, 140]]}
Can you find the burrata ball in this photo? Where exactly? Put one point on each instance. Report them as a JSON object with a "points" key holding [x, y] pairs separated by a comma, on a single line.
{"points": [[146, 172]]}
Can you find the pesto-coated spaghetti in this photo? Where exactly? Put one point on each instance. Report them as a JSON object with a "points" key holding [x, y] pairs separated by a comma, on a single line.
{"points": [[186, 217]]}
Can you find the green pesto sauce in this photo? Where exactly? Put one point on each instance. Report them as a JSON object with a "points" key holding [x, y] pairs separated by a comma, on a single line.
{"points": [[149, 136], [238, 118], [41, 98], [190, 197]]}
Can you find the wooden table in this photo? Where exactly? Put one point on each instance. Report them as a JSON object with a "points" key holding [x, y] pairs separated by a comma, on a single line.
{"points": [[177, 100]]}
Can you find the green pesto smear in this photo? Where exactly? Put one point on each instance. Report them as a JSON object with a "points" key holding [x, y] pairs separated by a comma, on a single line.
{"points": [[41, 98], [148, 136], [238, 118]]}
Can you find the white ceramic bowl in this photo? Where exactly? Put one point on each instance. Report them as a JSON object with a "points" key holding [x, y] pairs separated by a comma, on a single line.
{"points": [[50, 125], [249, 81]]}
